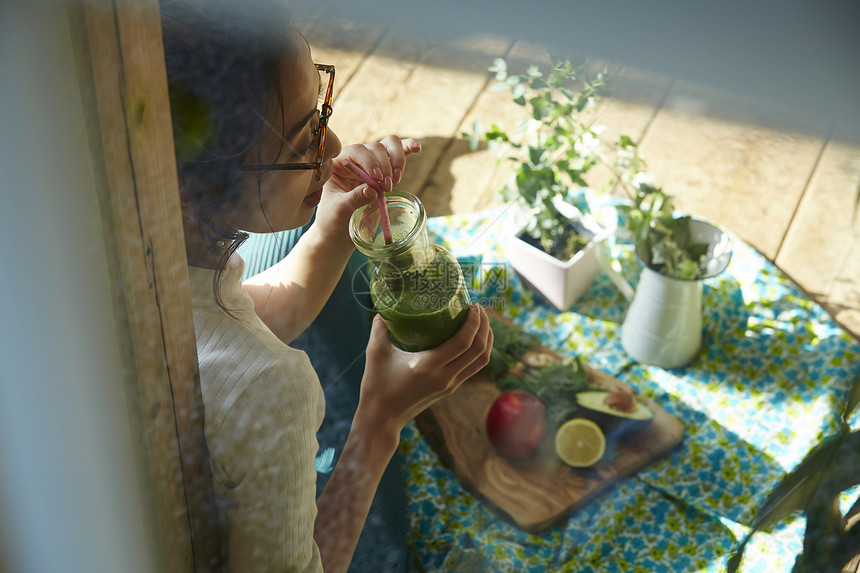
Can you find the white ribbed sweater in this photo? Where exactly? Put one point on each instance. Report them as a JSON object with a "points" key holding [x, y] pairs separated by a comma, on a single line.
{"points": [[263, 405]]}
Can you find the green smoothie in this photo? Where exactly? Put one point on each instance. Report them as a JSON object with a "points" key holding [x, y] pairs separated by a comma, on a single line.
{"points": [[422, 307]]}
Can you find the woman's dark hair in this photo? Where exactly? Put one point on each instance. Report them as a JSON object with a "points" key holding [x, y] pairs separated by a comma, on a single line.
{"points": [[223, 73]]}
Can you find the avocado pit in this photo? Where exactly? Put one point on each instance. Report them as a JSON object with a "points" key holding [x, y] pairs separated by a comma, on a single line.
{"points": [[620, 401]]}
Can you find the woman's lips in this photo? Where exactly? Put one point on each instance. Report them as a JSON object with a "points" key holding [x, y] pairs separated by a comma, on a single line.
{"points": [[313, 199]]}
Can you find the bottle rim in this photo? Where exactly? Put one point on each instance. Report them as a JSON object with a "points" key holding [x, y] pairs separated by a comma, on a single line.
{"points": [[399, 245]]}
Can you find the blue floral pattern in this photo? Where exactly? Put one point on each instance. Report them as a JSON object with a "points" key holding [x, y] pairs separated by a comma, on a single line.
{"points": [[769, 381]]}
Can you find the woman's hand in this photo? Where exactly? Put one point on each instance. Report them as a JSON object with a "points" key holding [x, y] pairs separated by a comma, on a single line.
{"points": [[399, 385], [345, 191]]}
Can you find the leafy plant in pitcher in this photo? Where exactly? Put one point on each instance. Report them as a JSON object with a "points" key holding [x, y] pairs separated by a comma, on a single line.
{"points": [[662, 239]]}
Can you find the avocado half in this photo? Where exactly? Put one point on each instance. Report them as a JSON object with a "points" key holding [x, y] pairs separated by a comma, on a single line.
{"points": [[592, 405]]}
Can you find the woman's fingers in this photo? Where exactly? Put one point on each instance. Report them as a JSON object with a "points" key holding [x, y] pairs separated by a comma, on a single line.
{"points": [[482, 360], [391, 153], [398, 150], [384, 161], [374, 159], [411, 145], [378, 340], [366, 160], [461, 342], [477, 355]]}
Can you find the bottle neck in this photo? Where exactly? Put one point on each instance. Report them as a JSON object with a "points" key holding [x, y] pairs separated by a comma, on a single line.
{"points": [[410, 246]]}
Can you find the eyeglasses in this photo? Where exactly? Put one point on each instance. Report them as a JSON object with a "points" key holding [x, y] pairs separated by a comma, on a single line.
{"points": [[325, 113]]}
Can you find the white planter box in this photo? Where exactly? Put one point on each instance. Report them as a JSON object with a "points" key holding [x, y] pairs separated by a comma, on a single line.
{"points": [[560, 282]]}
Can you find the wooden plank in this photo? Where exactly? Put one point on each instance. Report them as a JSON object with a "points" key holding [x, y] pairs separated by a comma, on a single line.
{"points": [[414, 86], [736, 162], [340, 41], [635, 99], [122, 64], [843, 299], [466, 181], [820, 246], [633, 103]]}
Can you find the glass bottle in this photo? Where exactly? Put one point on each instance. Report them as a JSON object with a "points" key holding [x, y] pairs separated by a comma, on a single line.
{"points": [[416, 286]]}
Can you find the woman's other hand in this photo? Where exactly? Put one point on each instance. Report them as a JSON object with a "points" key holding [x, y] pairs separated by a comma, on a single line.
{"points": [[399, 385], [345, 191]]}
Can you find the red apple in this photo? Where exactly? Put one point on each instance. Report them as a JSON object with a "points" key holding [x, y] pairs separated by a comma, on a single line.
{"points": [[516, 423]]}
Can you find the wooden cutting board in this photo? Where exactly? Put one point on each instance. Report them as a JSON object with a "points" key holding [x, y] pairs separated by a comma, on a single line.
{"points": [[538, 492]]}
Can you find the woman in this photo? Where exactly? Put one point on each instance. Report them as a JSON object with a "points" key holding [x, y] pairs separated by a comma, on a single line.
{"points": [[255, 154]]}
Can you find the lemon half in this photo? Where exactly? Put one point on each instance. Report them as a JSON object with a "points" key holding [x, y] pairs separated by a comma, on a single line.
{"points": [[580, 443]]}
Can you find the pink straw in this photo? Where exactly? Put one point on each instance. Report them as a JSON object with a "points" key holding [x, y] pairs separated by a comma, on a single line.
{"points": [[380, 196]]}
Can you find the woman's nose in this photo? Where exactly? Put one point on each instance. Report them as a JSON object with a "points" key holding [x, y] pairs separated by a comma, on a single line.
{"points": [[332, 145]]}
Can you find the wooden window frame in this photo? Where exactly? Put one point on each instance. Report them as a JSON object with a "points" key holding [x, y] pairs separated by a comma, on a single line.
{"points": [[120, 63]]}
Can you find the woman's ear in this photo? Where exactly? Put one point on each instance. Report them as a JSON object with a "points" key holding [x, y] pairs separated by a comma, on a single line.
{"points": [[185, 206]]}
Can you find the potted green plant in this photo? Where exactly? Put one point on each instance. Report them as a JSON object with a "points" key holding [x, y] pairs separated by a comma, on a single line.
{"points": [[552, 151], [665, 241], [831, 539]]}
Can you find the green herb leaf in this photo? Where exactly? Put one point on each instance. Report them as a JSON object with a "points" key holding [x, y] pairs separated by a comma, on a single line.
{"points": [[475, 136], [555, 384], [536, 155], [666, 244], [510, 344], [538, 83], [500, 68]]}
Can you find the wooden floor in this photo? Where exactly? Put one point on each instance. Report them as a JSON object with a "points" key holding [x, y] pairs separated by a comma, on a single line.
{"points": [[784, 185]]}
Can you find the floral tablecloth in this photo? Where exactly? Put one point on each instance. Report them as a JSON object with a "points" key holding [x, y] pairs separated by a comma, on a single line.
{"points": [[768, 383]]}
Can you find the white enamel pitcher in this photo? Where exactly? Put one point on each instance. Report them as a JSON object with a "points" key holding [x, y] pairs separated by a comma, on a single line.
{"points": [[663, 325]]}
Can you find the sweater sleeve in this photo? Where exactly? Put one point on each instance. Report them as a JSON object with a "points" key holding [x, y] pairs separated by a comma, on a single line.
{"points": [[265, 449]]}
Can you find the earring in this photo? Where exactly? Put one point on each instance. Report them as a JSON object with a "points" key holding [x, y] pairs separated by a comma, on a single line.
{"points": [[223, 244]]}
